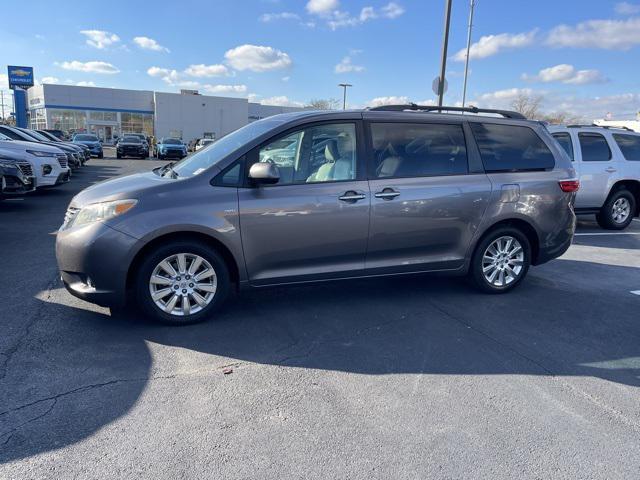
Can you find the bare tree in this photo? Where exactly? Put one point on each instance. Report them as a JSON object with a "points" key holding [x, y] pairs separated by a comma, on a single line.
{"points": [[557, 118], [528, 105], [323, 103]]}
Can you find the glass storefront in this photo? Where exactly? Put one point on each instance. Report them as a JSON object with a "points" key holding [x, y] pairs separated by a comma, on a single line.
{"points": [[107, 125]]}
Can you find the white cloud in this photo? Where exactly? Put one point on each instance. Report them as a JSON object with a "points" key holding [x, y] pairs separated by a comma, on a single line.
{"points": [[492, 44], [605, 34], [392, 100], [4, 81], [281, 101], [626, 8], [566, 73], [99, 38], [286, 78], [85, 84], [49, 80], [322, 7], [257, 58], [202, 70], [622, 106], [337, 18], [90, 67], [272, 17], [392, 10], [147, 43], [225, 88], [502, 98], [346, 65]]}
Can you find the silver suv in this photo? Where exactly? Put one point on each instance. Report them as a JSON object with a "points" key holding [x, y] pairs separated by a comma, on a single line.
{"points": [[312, 196], [608, 163]]}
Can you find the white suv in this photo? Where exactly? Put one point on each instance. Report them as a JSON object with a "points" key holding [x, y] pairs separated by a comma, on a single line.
{"points": [[608, 163], [49, 163]]}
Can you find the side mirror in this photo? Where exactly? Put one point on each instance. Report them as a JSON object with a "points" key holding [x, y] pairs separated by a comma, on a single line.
{"points": [[264, 173]]}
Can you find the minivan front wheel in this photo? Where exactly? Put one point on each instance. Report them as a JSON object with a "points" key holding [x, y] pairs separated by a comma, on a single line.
{"points": [[501, 260], [182, 283]]}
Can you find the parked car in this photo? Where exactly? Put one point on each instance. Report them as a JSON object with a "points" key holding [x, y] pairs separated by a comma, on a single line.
{"points": [[203, 142], [131, 146], [72, 155], [16, 174], [191, 146], [608, 163], [58, 133], [171, 148], [393, 192], [91, 141], [86, 154], [49, 164]]}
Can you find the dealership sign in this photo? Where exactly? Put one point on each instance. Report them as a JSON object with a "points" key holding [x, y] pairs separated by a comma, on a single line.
{"points": [[21, 77]]}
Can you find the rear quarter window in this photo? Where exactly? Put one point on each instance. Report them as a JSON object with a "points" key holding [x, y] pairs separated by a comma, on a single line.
{"points": [[511, 148], [629, 146], [564, 139]]}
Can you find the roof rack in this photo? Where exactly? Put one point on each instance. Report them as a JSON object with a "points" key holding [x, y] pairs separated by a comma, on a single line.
{"points": [[434, 108], [608, 127]]}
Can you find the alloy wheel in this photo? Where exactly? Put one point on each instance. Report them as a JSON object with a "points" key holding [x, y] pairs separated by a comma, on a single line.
{"points": [[502, 261], [183, 284], [620, 210]]}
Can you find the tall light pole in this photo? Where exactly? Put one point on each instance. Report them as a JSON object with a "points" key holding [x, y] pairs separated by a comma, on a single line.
{"points": [[466, 62], [344, 94], [445, 45]]}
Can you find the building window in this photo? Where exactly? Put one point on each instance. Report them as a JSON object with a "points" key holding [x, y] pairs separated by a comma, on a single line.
{"points": [[38, 119], [67, 120]]}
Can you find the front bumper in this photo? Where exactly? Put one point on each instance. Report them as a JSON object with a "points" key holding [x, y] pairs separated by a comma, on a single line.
{"points": [[133, 152], [57, 176], [15, 186], [173, 153], [93, 261]]}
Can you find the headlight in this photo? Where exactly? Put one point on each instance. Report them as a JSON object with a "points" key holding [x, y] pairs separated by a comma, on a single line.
{"points": [[97, 212], [38, 153]]}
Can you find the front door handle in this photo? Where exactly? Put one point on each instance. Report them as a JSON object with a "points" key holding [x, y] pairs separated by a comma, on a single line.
{"points": [[387, 194], [351, 196], [610, 169]]}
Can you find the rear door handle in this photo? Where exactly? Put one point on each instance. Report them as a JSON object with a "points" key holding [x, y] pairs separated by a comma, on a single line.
{"points": [[387, 194], [610, 169], [351, 196]]}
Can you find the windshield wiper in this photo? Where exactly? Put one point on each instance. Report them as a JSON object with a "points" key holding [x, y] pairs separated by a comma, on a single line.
{"points": [[168, 168]]}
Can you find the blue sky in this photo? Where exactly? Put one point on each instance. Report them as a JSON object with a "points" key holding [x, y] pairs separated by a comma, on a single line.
{"points": [[580, 56]]}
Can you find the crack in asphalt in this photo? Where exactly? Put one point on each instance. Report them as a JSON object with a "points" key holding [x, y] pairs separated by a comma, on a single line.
{"points": [[27, 330]]}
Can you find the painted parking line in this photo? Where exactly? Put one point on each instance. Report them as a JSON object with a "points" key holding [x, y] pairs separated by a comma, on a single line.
{"points": [[607, 233], [13, 199], [635, 292]]}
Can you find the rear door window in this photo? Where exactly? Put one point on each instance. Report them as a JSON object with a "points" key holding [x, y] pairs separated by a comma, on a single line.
{"points": [[511, 148], [564, 139], [629, 145], [594, 147], [418, 150]]}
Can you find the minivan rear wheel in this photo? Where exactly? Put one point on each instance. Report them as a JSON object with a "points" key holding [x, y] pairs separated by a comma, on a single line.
{"points": [[501, 260], [182, 283], [618, 211]]}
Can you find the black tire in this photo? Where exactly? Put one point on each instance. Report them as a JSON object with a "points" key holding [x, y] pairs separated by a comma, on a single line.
{"points": [[160, 157], [606, 218], [118, 155], [101, 155], [476, 275], [142, 295]]}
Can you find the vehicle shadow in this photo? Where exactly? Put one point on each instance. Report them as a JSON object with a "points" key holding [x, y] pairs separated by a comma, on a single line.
{"points": [[98, 365]]}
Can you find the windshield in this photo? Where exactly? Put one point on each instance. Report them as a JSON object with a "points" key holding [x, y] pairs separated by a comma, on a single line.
{"points": [[35, 135], [4, 138], [131, 140], [171, 141], [206, 157], [86, 138]]}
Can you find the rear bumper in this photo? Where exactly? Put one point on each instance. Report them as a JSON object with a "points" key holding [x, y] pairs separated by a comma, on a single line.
{"points": [[94, 262], [559, 242]]}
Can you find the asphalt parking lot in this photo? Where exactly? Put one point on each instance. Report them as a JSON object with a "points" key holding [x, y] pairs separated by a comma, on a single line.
{"points": [[412, 377]]}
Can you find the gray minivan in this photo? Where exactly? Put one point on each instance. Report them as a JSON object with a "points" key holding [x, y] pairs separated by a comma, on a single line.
{"points": [[312, 196]]}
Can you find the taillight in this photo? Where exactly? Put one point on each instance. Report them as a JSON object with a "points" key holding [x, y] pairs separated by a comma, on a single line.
{"points": [[569, 185]]}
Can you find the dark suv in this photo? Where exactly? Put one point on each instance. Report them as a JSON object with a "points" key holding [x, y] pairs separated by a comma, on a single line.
{"points": [[311, 196]]}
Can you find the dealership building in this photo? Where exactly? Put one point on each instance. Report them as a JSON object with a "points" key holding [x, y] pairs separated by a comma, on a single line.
{"points": [[111, 112]]}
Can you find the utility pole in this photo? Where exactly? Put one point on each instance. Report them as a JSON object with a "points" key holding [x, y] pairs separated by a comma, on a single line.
{"points": [[344, 94], [445, 45], [466, 62], [2, 104]]}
